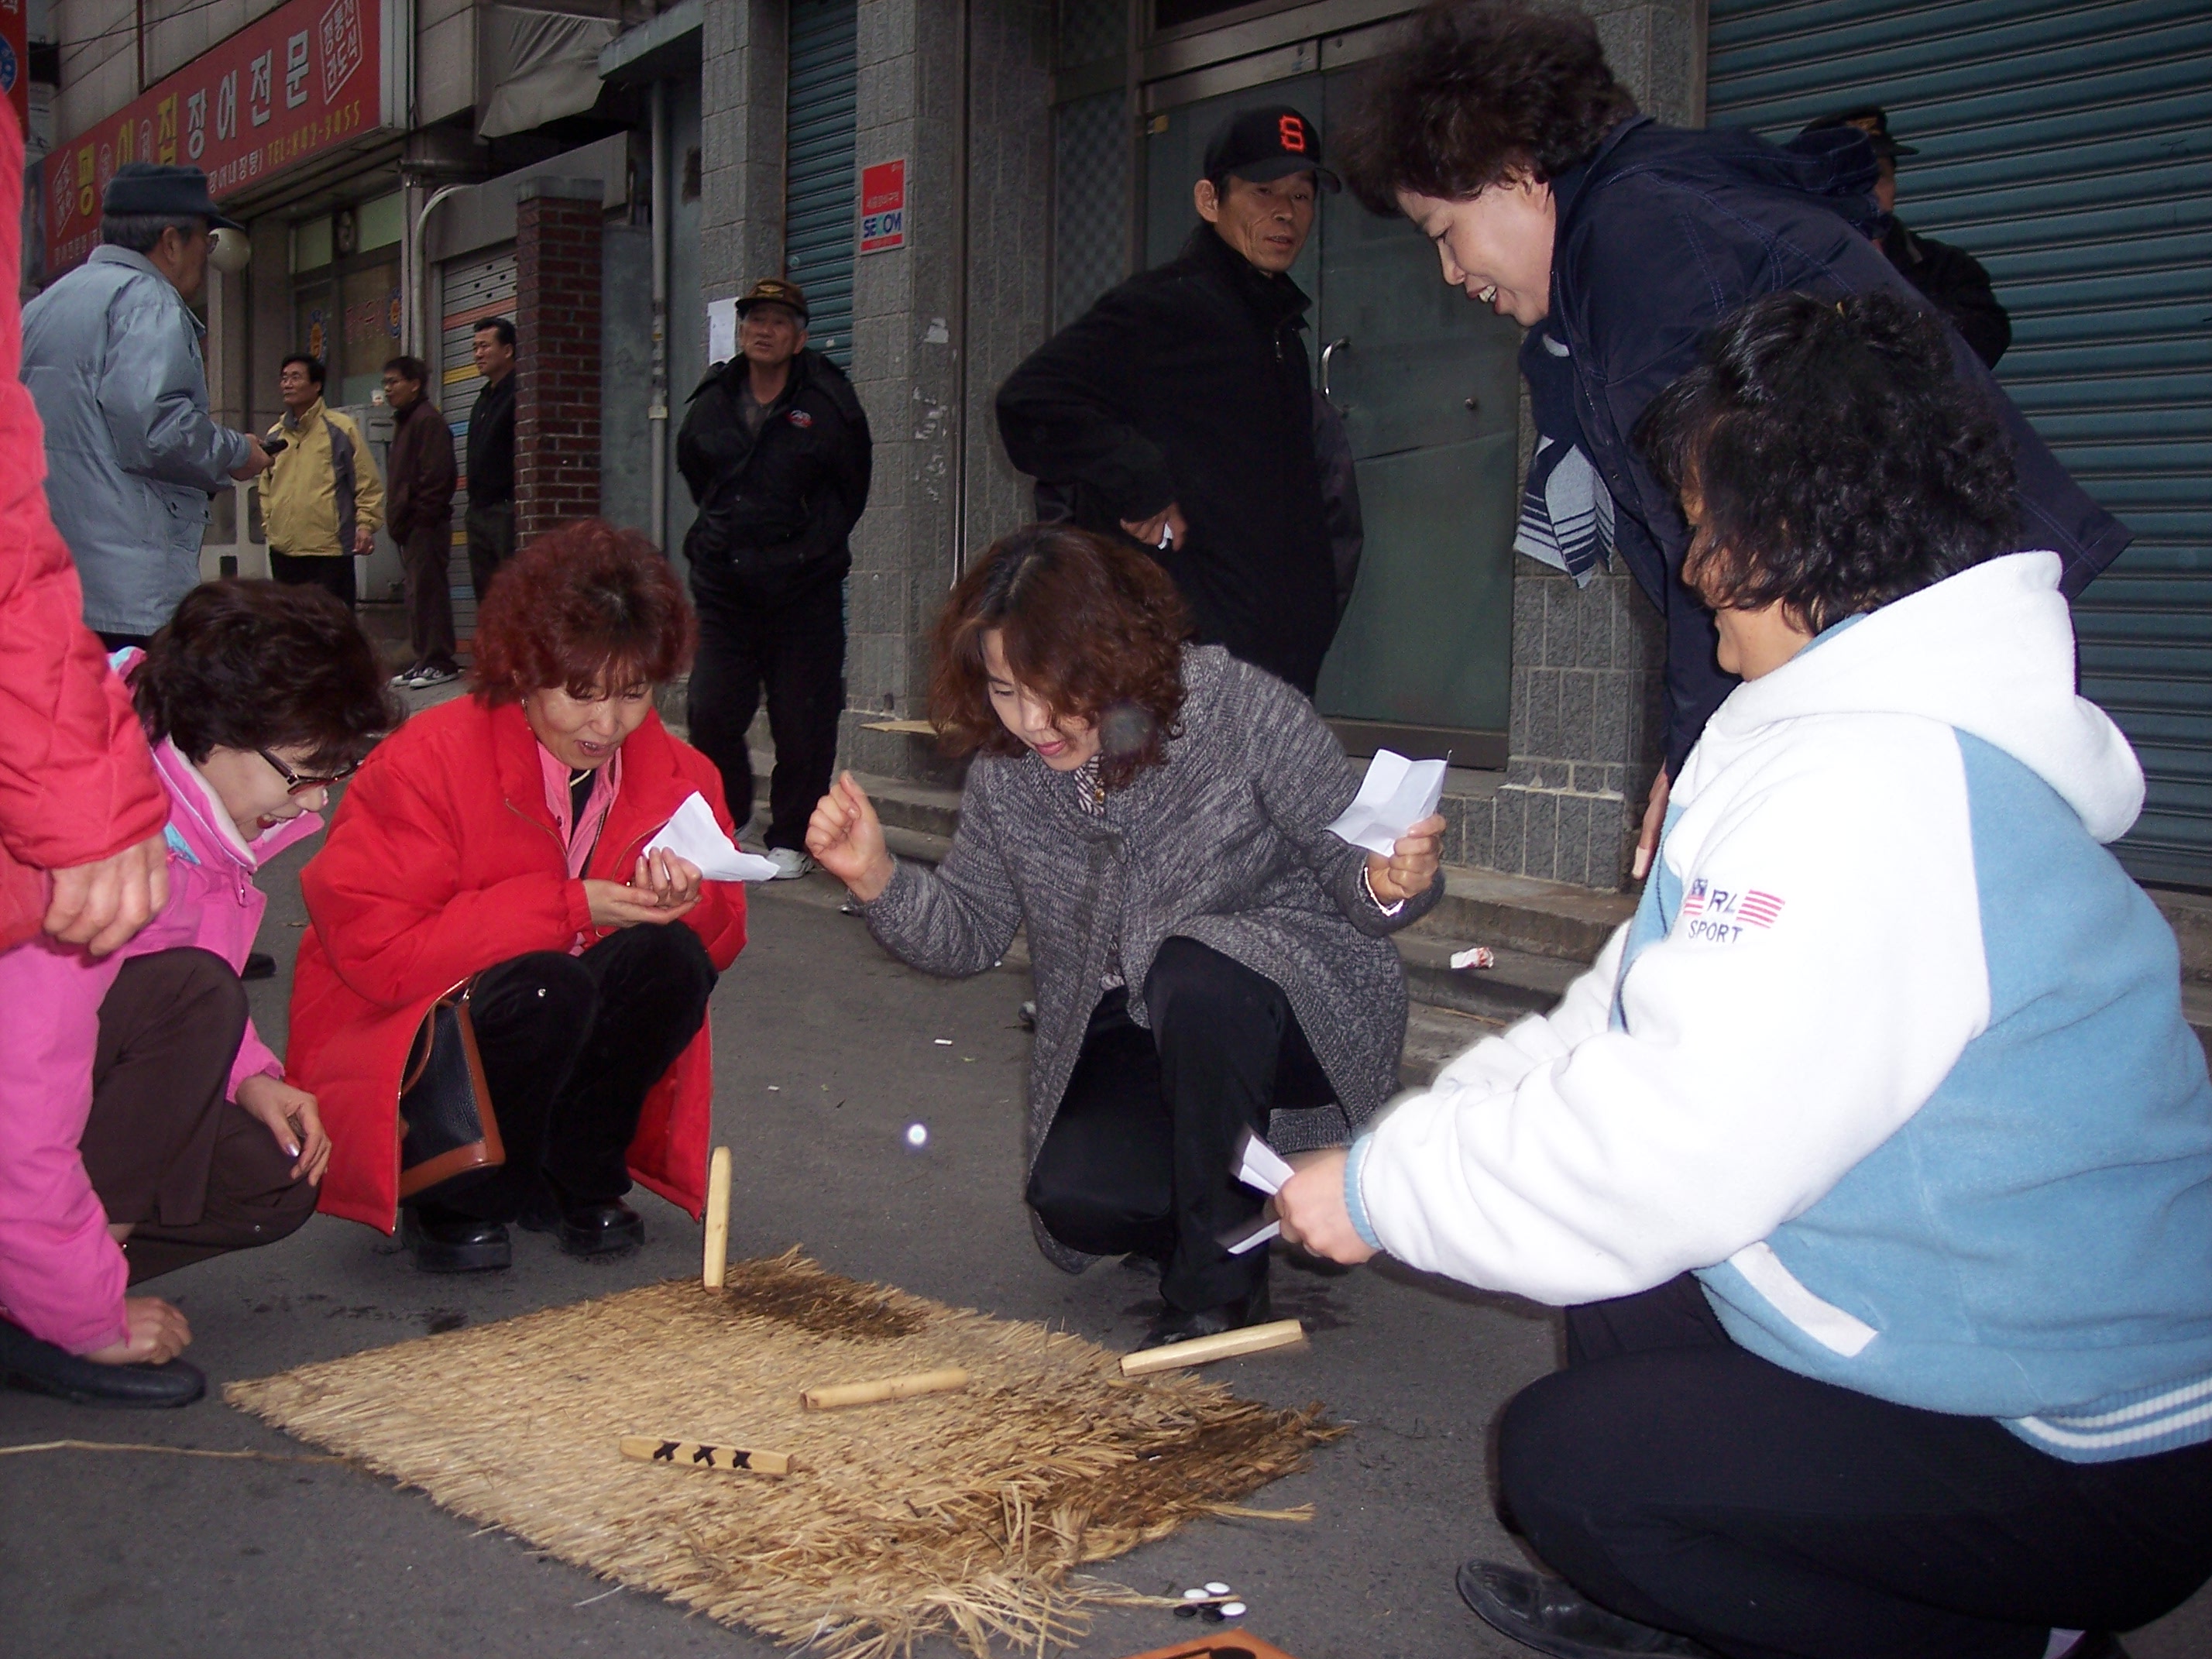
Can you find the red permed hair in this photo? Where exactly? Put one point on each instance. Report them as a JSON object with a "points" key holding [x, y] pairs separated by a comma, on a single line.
{"points": [[588, 607]]}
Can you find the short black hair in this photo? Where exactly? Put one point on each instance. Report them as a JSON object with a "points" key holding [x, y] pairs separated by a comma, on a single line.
{"points": [[1485, 91], [501, 326], [258, 664], [408, 368], [316, 371], [1836, 458], [140, 231]]}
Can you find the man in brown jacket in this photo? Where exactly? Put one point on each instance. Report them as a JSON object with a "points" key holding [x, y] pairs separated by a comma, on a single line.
{"points": [[419, 508]]}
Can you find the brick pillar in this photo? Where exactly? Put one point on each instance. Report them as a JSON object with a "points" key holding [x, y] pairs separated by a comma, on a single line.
{"points": [[557, 375]]}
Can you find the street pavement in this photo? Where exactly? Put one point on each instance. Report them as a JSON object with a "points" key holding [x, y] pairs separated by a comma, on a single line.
{"points": [[826, 1052]]}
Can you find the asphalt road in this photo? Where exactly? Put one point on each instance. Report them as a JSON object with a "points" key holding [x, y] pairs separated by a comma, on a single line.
{"points": [[826, 1052]]}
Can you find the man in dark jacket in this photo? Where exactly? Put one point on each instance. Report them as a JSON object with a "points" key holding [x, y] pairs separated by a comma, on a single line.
{"points": [[490, 518], [1180, 409], [1949, 276], [418, 508], [777, 454]]}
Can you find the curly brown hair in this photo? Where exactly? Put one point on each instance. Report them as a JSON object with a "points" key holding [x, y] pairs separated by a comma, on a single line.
{"points": [[587, 607], [1486, 91], [1090, 626]]}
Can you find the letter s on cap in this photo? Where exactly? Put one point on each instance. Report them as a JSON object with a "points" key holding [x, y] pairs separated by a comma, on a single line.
{"points": [[1293, 133]]}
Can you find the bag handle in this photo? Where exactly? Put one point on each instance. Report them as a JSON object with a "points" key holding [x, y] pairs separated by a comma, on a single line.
{"points": [[426, 1036]]}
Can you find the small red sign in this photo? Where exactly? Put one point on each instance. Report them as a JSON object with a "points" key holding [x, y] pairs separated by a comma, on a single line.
{"points": [[882, 206]]}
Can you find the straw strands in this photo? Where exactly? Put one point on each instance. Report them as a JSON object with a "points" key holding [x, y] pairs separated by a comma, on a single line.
{"points": [[963, 1513]]}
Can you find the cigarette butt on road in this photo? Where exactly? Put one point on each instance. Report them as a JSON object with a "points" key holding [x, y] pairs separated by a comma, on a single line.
{"points": [[717, 1218], [698, 1454], [890, 1388], [1253, 1339]]}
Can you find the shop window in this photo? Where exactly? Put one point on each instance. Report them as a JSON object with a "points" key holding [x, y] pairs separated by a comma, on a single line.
{"points": [[311, 245], [383, 222]]}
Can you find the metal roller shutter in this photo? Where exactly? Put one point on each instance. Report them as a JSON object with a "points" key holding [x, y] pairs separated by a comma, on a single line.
{"points": [[2068, 147], [472, 289], [819, 187]]}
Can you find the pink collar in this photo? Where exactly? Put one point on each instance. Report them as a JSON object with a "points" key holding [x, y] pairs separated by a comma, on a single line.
{"points": [[579, 837]]}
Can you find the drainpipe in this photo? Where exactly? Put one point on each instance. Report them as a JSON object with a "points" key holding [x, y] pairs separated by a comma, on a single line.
{"points": [[656, 410], [960, 299], [418, 318]]}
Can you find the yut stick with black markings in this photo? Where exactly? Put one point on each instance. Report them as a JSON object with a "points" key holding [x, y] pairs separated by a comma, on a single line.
{"points": [[698, 1454]]}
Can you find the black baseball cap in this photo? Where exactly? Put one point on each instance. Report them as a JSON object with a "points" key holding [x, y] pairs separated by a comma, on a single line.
{"points": [[1872, 120], [774, 291], [1260, 144], [171, 193]]}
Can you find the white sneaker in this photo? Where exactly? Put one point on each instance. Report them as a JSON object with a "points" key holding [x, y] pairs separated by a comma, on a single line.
{"points": [[406, 675], [429, 676], [790, 862]]}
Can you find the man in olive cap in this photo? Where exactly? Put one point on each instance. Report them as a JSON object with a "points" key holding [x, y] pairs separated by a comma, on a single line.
{"points": [[1949, 277], [1180, 411], [112, 356]]}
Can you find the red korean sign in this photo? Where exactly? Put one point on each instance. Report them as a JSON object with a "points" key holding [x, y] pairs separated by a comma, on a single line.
{"points": [[303, 78], [883, 207], [14, 59]]}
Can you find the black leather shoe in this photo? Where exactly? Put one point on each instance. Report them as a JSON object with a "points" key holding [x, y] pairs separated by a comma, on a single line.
{"points": [[259, 966], [1175, 1324], [40, 1367], [600, 1229], [444, 1242], [1550, 1615]]}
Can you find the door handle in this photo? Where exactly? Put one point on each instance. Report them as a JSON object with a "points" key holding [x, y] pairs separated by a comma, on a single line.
{"points": [[1328, 351]]}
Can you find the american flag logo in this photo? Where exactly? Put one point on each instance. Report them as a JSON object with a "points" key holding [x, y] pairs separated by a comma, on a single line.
{"points": [[1694, 900], [1757, 908]]}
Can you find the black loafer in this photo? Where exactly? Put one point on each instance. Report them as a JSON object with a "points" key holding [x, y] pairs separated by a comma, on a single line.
{"points": [[1175, 1324], [259, 966], [600, 1229], [444, 1242], [40, 1367], [1550, 1616]]}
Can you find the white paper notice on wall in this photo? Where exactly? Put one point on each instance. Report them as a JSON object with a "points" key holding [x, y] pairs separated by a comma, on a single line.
{"points": [[721, 330]]}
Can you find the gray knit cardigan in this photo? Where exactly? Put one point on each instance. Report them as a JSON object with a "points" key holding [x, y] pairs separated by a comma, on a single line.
{"points": [[1226, 843]]}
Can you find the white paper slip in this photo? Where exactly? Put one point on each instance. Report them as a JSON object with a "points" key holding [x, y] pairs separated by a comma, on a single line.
{"points": [[693, 834], [1254, 1239], [1397, 795], [1259, 1165]]}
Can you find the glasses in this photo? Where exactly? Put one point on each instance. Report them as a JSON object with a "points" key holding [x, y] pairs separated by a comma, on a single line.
{"points": [[296, 785]]}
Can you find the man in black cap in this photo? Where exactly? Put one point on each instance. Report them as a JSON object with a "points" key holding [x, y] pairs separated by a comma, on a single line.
{"points": [[1950, 277], [1179, 410], [112, 354], [777, 454]]}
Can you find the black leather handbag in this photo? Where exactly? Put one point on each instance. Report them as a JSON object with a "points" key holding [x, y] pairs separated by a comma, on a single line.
{"points": [[447, 1129]]}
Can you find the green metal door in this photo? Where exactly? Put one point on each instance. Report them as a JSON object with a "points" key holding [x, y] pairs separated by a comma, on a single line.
{"points": [[819, 186], [1426, 385]]}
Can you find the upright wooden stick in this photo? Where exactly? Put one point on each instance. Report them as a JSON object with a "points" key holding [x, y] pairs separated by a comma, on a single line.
{"points": [[891, 1388], [717, 1218], [1253, 1339]]}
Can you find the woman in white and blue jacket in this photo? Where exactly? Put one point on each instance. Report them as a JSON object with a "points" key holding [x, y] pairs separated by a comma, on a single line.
{"points": [[1873, 1159]]}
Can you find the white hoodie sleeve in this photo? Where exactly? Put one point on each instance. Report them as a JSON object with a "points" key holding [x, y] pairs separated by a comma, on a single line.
{"points": [[1810, 996], [1500, 1062]]}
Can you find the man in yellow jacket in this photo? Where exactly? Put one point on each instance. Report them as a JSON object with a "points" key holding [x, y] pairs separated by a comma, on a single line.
{"points": [[322, 501]]}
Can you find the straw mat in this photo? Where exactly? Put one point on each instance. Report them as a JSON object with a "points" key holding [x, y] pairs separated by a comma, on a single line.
{"points": [[962, 1514]]}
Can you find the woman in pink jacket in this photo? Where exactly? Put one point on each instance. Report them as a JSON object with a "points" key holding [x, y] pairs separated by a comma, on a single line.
{"points": [[148, 1126]]}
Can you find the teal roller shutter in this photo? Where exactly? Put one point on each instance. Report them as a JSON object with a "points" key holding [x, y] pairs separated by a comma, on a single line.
{"points": [[2068, 147], [818, 169]]}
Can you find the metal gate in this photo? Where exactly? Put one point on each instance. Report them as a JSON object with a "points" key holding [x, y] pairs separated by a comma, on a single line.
{"points": [[2068, 147], [472, 289], [819, 189]]}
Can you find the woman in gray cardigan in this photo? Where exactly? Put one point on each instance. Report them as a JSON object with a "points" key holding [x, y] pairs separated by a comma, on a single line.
{"points": [[1208, 958]]}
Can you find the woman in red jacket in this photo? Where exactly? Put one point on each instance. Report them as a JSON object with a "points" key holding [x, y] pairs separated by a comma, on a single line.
{"points": [[500, 839]]}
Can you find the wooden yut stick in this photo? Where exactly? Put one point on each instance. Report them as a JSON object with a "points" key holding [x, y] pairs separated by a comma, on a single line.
{"points": [[891, 1388], [717, 1217], [698, 1454], [1253, 1339]]}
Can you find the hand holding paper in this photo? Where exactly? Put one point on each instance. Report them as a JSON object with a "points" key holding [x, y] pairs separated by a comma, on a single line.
{"points": [[1397, 795], [693, 834]]}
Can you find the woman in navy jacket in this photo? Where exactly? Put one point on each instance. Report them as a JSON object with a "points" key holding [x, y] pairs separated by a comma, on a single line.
{"points": [[1618, 243]]}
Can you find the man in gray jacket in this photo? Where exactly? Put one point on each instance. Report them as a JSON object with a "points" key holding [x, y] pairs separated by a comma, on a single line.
{"points": [[112, 356]]}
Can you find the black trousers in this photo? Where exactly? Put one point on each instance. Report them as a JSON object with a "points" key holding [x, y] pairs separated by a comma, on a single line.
{"points": [[571, 1046], [1683, 1481], [165, 1147], [334, 575], [424, 558], [490, 532], [792, 642], [1139, 1156]]}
